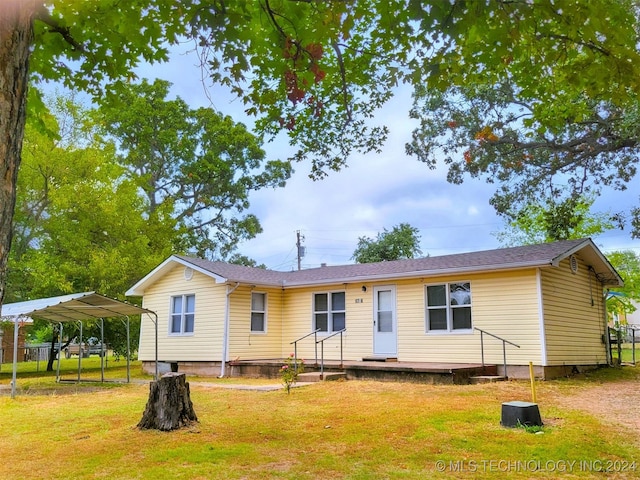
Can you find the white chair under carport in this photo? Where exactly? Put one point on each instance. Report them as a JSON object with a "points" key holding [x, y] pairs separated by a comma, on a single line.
{"points": [[76, 307]]}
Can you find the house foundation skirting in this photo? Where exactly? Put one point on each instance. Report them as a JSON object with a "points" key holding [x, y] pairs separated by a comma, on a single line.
{"points": [[558, 371], [205, 369], [521, 372], [384, 371]]}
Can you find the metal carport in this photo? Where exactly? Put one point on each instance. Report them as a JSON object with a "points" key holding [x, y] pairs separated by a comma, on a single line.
{"points": [[75, 307]]}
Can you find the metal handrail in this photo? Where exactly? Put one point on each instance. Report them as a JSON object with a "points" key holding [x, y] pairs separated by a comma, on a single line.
{"points": [[321, 342], [504, 349], [295, 347]]}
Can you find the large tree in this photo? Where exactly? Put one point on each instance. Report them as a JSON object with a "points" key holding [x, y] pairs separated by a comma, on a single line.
{"points": [[196, 167], [90, 218], [551, 220], [81, 44], [319, 70], [627, 263], [79, 224], [403, 241], [536, 129]]}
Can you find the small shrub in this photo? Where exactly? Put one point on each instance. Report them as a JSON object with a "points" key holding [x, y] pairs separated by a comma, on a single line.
{"points": [[290, 371]]}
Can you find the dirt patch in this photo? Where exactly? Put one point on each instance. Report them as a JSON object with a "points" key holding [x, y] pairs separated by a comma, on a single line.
{"points": [[615, 402]]}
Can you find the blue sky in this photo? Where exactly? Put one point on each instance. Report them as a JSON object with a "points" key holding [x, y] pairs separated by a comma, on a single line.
{"points": [[375, 192]]}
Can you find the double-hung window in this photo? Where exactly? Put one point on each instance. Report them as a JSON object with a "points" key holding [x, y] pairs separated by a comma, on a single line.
{"points": [[183, 313], [258, 312], [329, 312], [448, 307]]}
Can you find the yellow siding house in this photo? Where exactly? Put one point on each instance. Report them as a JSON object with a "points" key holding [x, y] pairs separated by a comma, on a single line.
{"points": [[546, 301]]}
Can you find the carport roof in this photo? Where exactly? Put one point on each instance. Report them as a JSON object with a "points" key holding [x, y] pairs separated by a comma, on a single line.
{"points": [[73, 307]]}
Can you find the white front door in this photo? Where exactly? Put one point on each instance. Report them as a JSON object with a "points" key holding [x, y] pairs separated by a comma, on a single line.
{"points": [[385, 334]]}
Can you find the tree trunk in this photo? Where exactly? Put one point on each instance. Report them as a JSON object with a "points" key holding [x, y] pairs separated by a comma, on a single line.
{"points": [[169, 406], [53, 352], [16, 36]]}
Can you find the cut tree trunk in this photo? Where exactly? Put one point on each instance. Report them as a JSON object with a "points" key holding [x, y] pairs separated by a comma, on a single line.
{"points": [[169, 406]]}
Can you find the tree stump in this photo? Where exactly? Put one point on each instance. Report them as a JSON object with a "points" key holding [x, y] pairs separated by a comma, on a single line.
{"points": [[169, 406]]}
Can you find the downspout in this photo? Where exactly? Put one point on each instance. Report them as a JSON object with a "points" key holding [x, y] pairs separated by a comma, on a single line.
{"points": [[225, 332], [605, 335], [543, 332]]}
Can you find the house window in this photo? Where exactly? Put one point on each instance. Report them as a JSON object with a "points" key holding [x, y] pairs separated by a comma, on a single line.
{"points": [[258, 312], [329, 312], [449, 307], [183, 309]]}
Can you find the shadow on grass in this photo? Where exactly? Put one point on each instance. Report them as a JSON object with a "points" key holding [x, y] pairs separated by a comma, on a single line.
{"points": [[33, 379]]}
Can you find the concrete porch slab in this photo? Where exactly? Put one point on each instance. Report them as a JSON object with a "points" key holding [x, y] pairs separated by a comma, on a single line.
{"points": [[419, 372]]}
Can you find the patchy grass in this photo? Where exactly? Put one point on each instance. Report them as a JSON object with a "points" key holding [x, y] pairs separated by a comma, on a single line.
{"points": [[331, 430]]}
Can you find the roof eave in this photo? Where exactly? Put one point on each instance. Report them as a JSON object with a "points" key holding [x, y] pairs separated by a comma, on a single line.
{"points": [[152, 277], [415, 274], [615, 280]]}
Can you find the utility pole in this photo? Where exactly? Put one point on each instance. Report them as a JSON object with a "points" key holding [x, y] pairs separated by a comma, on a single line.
{"points": [[300, 247]]}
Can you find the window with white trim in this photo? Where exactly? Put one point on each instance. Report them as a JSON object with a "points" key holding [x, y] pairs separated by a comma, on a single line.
{"points": [[329, 312], [258, 312], [448, 307], [183, 313]]}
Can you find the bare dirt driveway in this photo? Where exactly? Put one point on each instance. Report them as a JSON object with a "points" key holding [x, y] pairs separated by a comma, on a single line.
{"points": [[616, 401]]}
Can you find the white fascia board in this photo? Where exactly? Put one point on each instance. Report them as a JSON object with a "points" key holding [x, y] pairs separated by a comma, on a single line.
{"points": [[595, 251], [208, 273], [556, 261], [161, 270]]}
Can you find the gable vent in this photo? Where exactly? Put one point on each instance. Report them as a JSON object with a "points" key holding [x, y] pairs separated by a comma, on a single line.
{"points": [[188, 273], [573, 264]]}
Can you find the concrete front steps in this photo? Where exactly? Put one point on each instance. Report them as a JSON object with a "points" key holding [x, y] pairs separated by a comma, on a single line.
{"points": [[486, 379], [310, 377]]}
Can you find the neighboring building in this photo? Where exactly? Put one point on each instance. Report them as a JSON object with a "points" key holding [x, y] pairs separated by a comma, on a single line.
{"points": [[628, 323], [633, 318], [7, 329], [548, 299]]}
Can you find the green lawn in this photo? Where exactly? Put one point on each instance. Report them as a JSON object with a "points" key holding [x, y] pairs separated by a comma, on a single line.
{"points": [[331, 430], [627, 352]]}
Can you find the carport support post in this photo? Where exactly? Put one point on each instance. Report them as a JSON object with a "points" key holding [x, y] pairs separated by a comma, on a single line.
{"points": [[101, 347], [128, 353], [14, 378], [80, 352], [59, 353]]}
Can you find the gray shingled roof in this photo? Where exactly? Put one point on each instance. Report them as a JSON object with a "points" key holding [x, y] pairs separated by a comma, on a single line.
{"points": [[499, 259]]}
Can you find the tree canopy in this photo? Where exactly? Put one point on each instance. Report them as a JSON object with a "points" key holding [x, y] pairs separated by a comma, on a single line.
{"points": [[552, 221], [536, 129], [627, 263], [319, 71], [196, 167], [403, 241], [88, 218]]}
